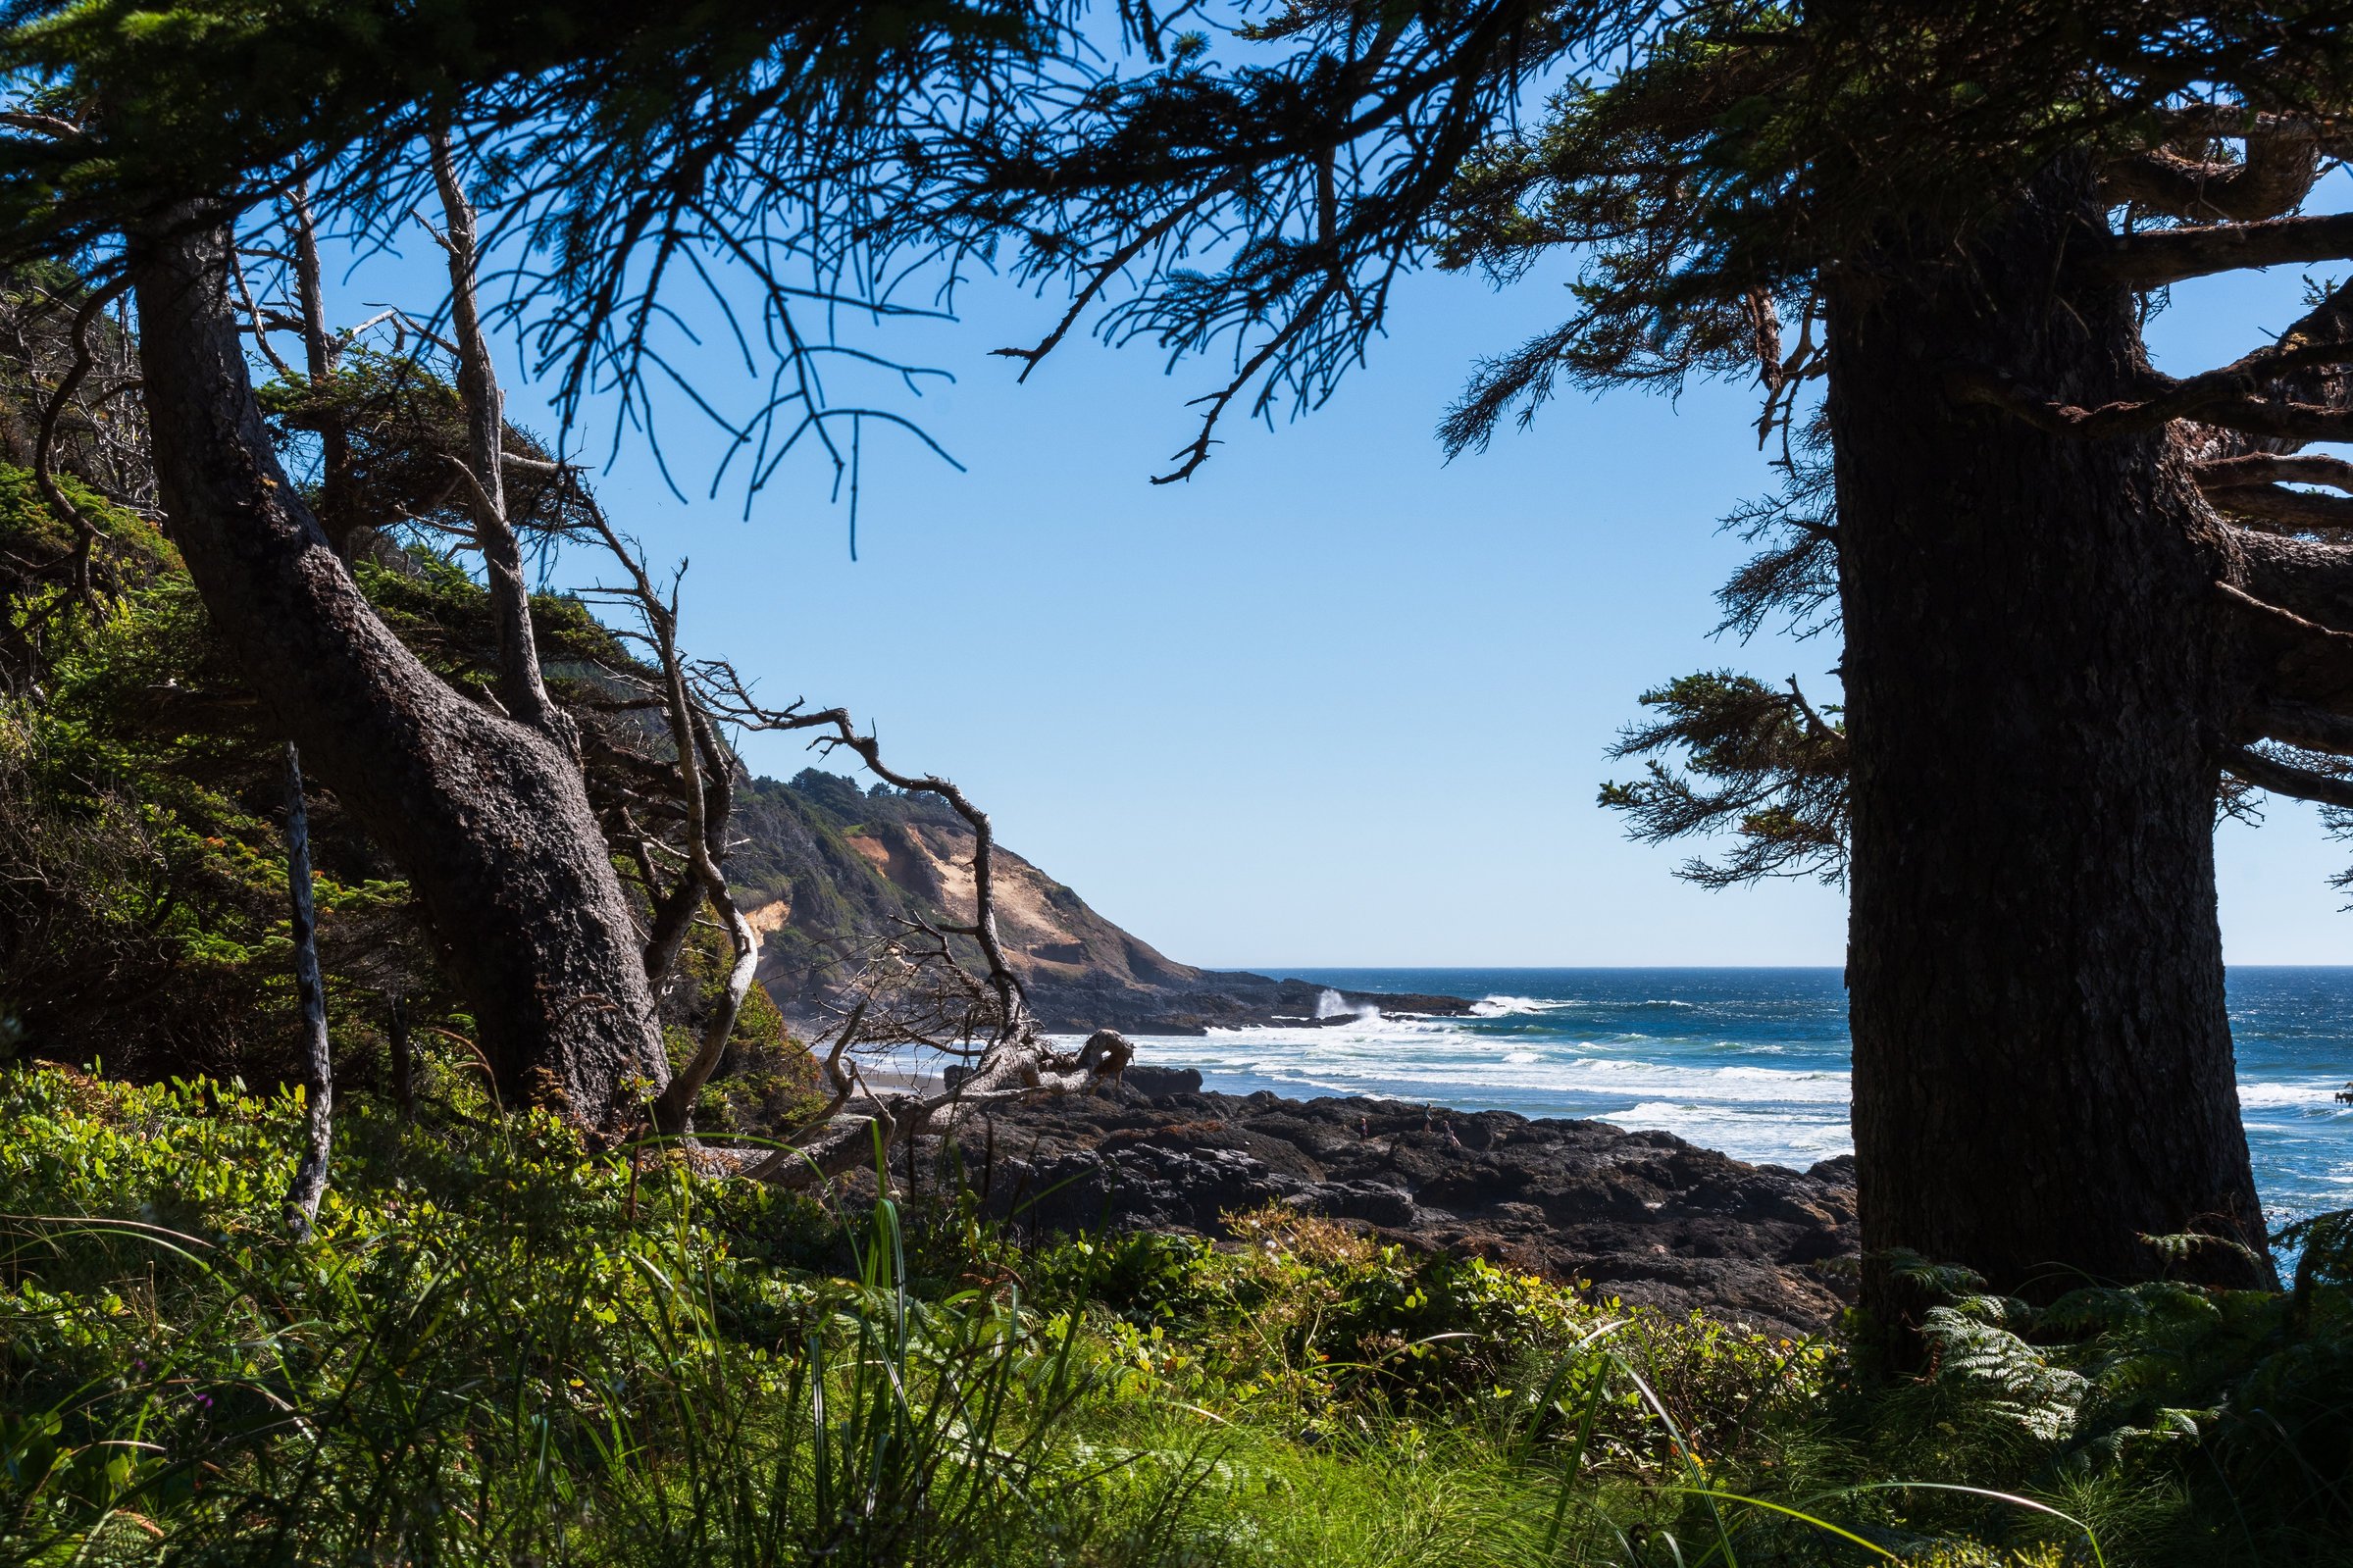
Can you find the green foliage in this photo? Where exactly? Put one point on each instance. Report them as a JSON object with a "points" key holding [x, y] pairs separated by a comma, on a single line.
{"points": [[497, 1343], [443, 616], [766, 1080], [1744, 148], [404, 433], [500, 1343], [850, 806], [138, 819], [1306, 1315], [31, 526], [27, 523], [2184, 1422], [631, 144], [2261, 1381], [40, 613], [1769, 768]]}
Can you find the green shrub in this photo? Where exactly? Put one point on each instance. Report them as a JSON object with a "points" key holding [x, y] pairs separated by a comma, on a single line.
{"points": [[503, 1347], [498, 1346]]}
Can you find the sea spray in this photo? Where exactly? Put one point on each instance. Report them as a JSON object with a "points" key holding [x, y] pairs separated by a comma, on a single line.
{"points": [[1749, 1061]]}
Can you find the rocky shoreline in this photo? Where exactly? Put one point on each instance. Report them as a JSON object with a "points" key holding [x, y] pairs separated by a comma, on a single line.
{"points": [[1644, 1216]]}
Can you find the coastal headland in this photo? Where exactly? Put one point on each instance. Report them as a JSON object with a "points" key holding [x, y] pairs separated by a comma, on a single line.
{"points": [[826, 871], [1645, 1216]]}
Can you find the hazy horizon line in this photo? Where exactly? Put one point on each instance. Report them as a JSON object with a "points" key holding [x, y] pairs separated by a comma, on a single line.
{"points": [[1548, 969]]}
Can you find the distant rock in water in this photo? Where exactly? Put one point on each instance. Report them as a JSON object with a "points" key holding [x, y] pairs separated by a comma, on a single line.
{"points": [[1645, 1216], [827, 865]]}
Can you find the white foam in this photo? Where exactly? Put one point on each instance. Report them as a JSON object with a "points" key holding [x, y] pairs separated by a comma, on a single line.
{"points": [[1783, 1102], [1514, 1006], [1739, 1132], [2313, 1091]]}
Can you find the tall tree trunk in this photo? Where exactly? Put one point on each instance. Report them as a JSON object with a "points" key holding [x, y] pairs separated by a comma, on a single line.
{"points": [[310, 990], [396, 1037], [488, 820], [2037, 684]]}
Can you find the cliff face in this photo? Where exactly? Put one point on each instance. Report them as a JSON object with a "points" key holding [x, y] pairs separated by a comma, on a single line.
{"points": [[827, 868]]}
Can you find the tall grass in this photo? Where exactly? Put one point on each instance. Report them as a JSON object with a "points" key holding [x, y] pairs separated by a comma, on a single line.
{"points": [[549, 1380], [499, 1348]]}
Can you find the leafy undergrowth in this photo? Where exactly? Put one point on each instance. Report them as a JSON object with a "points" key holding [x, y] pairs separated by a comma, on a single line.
{"points": [[500, 1348]]}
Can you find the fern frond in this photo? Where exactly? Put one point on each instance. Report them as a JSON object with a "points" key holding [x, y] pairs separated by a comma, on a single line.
{"points": [[2177, 1247], [2001, 1311], [1942, 1279], [2022, 1382]]}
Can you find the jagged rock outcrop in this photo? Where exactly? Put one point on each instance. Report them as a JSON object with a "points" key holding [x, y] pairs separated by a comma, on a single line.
{"points": [[825, 867], [1643, 1215]]}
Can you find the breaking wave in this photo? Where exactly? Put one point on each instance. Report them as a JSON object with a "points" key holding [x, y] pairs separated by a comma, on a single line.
{"points": [[1752, 1062]]}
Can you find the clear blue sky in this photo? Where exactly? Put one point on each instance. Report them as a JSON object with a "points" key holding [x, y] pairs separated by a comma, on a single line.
{"points": [[1333, 702]]}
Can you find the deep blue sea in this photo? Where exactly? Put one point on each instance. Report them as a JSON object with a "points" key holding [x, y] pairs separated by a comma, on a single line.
{"points": [[1749, 1061]]}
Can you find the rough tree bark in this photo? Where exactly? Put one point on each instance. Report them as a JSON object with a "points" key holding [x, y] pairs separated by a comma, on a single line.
{"points": [[2039, 682], [488, 819], [396, 1034]]}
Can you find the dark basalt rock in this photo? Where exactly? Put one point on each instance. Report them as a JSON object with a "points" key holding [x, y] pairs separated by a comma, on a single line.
{"points": [[1153, 1081], [1642, 1215]]}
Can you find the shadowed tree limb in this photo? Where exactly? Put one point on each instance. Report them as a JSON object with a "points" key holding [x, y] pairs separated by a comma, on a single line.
{"points": [[2302, 660], [2225, 397], [2267, 392], [85, 532], [2300, 724], [2283, 154], [2270, 468], [2269, 773], [2274, 503], [2156, 257]]}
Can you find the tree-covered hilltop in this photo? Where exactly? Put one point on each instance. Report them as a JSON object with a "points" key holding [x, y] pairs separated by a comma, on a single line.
{"points": [[828, 871], [828, 868]]}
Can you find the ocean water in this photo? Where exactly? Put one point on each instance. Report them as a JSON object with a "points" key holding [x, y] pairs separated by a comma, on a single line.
{"points": [[1751, 1061]]}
